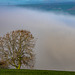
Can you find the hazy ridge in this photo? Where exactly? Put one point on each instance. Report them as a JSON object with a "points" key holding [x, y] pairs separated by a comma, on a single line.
{"points": [[66, 7]]}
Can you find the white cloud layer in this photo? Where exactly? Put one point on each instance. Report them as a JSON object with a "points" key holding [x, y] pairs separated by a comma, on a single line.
{"points": [[55, 46]]}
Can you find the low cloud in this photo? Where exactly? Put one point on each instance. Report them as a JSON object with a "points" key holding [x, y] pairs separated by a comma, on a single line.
{"points": [[55, 46]]}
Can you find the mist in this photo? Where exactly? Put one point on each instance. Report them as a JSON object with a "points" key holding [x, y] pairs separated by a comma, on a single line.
{"points": [[55, 34]]}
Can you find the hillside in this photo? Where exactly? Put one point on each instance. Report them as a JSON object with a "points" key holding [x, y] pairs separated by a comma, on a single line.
{"points": [[34, 72], [66, 7]]}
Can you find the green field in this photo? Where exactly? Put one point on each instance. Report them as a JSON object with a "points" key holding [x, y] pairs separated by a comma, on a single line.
{"points": [[33, 72]]}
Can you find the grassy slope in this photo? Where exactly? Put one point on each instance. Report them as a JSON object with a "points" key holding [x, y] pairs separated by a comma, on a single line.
{"points": [[34, 72]]}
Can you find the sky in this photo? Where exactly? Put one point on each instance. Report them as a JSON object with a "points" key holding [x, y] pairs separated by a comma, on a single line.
{"points": [[30, 1]]}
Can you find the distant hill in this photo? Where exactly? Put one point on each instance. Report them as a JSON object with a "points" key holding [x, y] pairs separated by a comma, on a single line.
{"points": [[67, 7]]}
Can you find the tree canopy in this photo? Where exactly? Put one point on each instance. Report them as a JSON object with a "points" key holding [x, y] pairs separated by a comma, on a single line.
{"points": [[16, 48]]}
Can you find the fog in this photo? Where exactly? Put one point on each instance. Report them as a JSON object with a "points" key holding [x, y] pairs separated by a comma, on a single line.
{"points": [[55, 34]]}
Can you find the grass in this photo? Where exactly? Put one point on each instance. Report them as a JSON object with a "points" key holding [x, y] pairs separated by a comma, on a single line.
{"points": [[33, 72]]}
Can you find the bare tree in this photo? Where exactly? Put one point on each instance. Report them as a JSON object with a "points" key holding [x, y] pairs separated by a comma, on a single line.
{"points": [[16, 48]]}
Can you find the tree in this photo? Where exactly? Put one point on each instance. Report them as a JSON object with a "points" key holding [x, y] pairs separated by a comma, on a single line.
{"points": [[16, 48], [3, 65]]}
